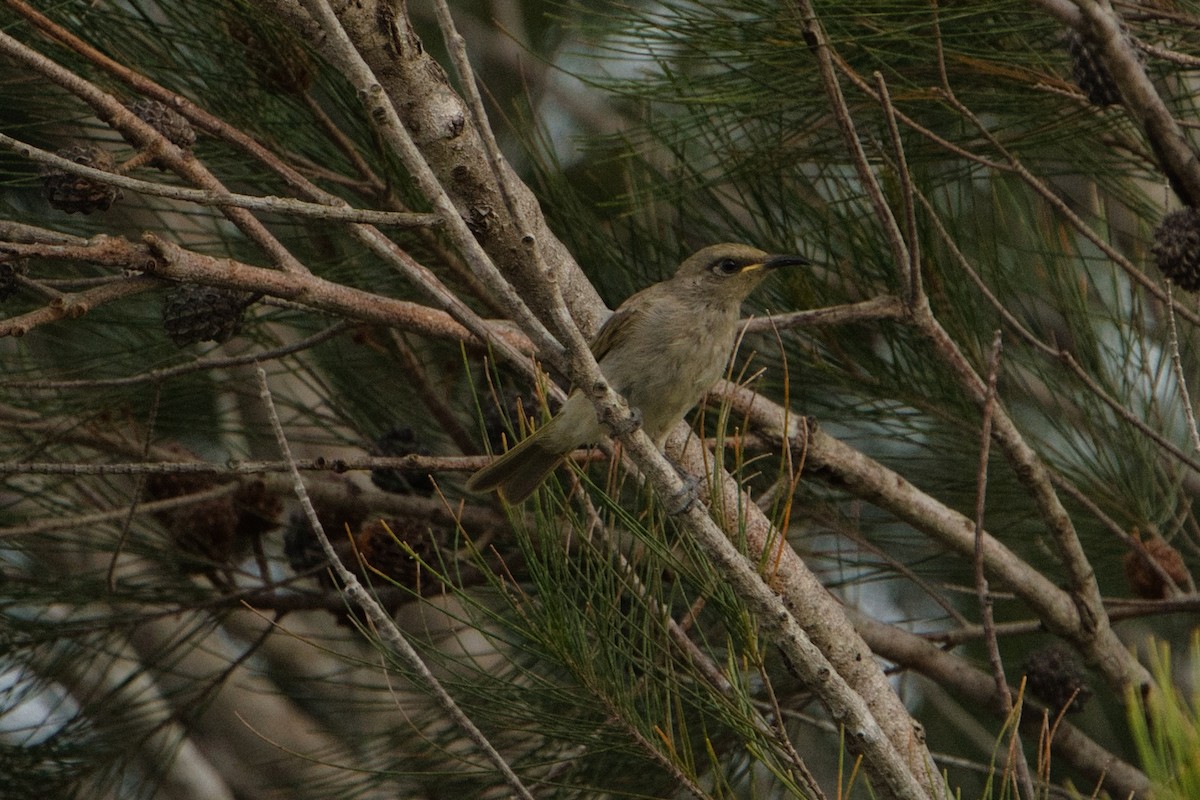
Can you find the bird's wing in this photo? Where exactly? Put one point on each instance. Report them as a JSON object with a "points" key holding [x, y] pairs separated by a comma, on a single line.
{"points": [[617, 327]]}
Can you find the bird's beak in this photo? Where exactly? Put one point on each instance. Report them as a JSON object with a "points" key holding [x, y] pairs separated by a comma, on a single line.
{"points": [[775, 262]]}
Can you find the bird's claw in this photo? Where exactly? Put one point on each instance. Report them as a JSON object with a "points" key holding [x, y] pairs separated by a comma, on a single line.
{"points": [[623, 426], [683, 500]]}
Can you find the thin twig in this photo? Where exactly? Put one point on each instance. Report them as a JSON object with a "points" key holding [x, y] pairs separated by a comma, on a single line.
{"points": [[138, 486], [331, 493], [391, 127], [894, 563], [433, 400], [1180, 377], [815, 35], [199, 365], [912, 267], [877, 308], [63, 521], [381, 620], [345, 144], [1119, 608], [13, 231], [1185, 60], [109, 109], [338, 465], [73, 306], [983, 594], [457, 46], [1132, 542], [222, 198]]}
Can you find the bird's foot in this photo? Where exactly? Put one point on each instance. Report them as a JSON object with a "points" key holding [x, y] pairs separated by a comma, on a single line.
{"points": [[683, 500], [622, 426]]}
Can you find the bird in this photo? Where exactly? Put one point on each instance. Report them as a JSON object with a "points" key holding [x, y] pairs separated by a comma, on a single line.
{"points": [[662, 349]]}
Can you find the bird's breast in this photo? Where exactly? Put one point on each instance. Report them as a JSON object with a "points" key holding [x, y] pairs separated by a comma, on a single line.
{"points": [[670, 360]]}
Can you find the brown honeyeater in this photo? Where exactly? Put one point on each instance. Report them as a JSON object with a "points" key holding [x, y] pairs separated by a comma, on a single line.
{"points": [[662, 349]]}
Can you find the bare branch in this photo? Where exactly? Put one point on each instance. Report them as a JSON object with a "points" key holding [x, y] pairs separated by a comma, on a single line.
{"points": [[224, 199], [883, 307], [981, 584], [972, 685], [73, 306], [1141, 99], [199, 365], [109, 109], [383, 621]]}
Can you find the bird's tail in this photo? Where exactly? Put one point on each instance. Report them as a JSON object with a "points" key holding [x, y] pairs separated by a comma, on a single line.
{"points": [[522, 469]]}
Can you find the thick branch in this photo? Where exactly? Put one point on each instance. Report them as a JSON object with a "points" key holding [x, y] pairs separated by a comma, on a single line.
{"points": [[163, 259], [1142, 101], [834, 462], [823, 618], [973, 686], [436, 119]]}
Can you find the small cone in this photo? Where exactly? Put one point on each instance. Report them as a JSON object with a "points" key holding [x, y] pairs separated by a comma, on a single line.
{"points": [[193, 314], [1176, 248], [74, 193], [1145, 581], [396, 548], [166, 120], [1055, 676], [1089, 72], [397, 443]]}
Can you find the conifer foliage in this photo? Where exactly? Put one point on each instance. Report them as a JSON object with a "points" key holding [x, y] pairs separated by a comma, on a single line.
{"points": [[277, 275]]}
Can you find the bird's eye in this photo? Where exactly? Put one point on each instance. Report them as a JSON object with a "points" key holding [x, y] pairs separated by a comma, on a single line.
{"points": [[726, 266]]}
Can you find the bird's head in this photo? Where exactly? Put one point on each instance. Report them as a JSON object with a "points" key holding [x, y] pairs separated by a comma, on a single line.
{"points": [[731, 271]]}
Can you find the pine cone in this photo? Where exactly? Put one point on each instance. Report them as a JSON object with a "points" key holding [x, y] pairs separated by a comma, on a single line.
{"points": [[9, 270], [1176, 248], [193, 314], [1143, 579], [300, 545], [396, 443], [205, 534], [258, 509], [71, 193], [1089, 72], [1056, 677], [386, 547], [497, 421], [166, 120]]}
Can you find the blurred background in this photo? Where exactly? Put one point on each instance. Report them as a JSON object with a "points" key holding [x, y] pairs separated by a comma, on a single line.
{"points": [[177, 634]]}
